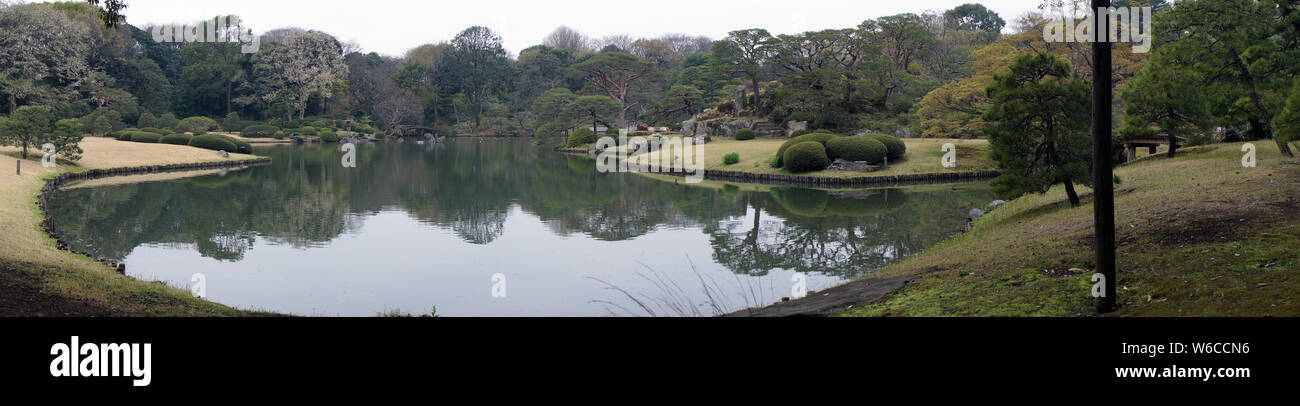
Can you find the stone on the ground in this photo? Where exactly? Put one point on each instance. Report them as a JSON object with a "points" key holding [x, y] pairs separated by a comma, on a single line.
{"points": [[851, 166], [976, 213], [793, 126], [996, 204]]}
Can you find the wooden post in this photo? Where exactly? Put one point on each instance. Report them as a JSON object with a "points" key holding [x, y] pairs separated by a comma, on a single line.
{"points": [[20, 167], [1102, 174]]}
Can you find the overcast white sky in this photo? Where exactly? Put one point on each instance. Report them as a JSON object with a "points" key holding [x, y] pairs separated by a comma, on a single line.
{"points": [[393, 26]]}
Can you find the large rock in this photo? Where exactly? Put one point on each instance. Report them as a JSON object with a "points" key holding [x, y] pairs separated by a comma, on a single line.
{"points": [[728, 130], [976, 213], [795, 126], [739, 96], [851, 166], [996, 204], [903, 133], [688, 128], [864, 131]]}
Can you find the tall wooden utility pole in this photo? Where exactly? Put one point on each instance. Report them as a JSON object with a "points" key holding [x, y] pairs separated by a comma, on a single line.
{"points": [[1102, 175]]}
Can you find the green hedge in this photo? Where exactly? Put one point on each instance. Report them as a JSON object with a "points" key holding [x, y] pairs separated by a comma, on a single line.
{"points": [[744, 134], [259, 131], [158, 131], [820, 138], [897, 148], [176, 139], [308, 130], [141, 136], [580, 137], [857, 149], [731, 159], [328, 136], [125, 134], [197, 124], [215, 142], [807, 156]]}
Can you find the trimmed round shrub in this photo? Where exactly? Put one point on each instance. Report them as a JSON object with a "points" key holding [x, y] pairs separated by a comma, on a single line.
{"points": [[176, 139], [580, 137], [897, 148], [744, 134], [308, 130], [380, 136], [807, 156], [731, 159], [279, 135], [197, 124], [214, 142], [820, 138], [801, 132], [857, 149], [259, 131], [328, 136], [141, 136], [155, 130]]}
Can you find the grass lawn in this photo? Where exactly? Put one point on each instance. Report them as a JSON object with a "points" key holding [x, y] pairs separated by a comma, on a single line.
{"points": [[923, 156], [1197, 235], [38, 280]]}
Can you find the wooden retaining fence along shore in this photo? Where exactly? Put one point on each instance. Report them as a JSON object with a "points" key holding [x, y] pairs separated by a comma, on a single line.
{"points": [[52, 185]]}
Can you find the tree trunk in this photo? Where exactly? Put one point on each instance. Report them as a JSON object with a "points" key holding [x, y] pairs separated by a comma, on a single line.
{"points": [[1260, 125], [1173, 145], [622, 114], [1074, 196], [228, 92], [435, 110], [758, 97]]}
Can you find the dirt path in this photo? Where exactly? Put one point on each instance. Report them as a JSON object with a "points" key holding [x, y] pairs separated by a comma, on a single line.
{"points": [[832, 301]]}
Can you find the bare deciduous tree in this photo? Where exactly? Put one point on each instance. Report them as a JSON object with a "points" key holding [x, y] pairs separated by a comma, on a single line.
{"points": [[567, 39]]}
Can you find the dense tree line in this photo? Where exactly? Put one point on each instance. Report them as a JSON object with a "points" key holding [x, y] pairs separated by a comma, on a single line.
{"points": [[471, 84]]}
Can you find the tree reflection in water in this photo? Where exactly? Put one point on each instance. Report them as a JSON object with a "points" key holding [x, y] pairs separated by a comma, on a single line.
{"points": [[305, 199]]}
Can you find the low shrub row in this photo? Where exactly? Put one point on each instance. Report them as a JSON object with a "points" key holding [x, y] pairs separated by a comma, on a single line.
{"points": [[260, 131], [176, 139], [142, 136], [219, 142]]}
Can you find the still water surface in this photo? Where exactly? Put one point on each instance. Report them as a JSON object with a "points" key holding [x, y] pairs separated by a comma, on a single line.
{"points": [[418, 226]]}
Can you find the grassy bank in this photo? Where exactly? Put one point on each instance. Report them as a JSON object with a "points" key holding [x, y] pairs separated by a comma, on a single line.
{"points": [[38, 280], [923, 156], [1198, 235]]}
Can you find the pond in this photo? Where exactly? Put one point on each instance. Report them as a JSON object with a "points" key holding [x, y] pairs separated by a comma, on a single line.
{"points": [[496, 227]]}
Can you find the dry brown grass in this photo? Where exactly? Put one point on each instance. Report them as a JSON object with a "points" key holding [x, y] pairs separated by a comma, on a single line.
{"points": [[30, 258]]}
